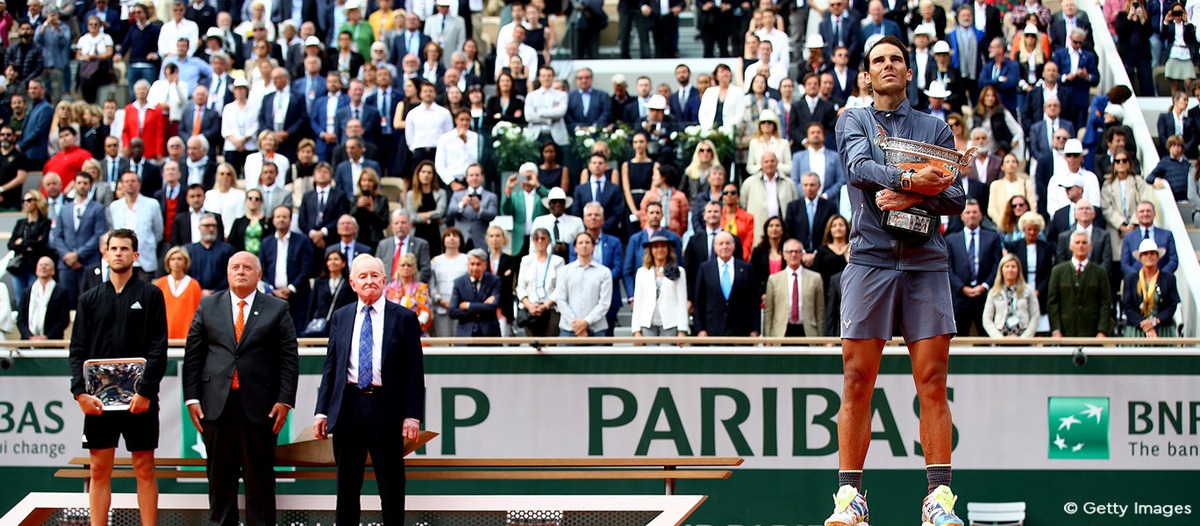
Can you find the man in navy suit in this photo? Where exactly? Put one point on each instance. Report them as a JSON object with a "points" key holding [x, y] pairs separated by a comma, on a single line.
{"points": [[220, 90], [727, 298], [283, 112], [846, 34], [80, 224], [410, 41], [635, 251], [587, 106], [1145, 228], [1001, 73], [831, 177], [357, 108], [844, 77], [1071, 17], [292, 254], [347, 244], [606, 251], [209, 119], [1035, 100], [36, 135], [309, 84], [371, 401], [1079, 72], [1041, 133], [355, 162], [878, 25], [599, 188], [323, 119], [808, 216], [685, 102], [321, 208], [384, 101], [110, 19], [665, 26], [475, 298], [974, 257]]}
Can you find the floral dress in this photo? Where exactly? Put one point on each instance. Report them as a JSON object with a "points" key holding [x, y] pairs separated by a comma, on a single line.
{"points": [[415, 297]]}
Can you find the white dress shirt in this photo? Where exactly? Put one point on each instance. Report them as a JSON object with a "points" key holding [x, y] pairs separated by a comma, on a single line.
{"points": [[425, 124], [376, 341], [39, 301], [454, 155], [145, 219], [281, 262]]}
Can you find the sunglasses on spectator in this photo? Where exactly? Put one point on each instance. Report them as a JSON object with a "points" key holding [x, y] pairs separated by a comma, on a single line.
{"points": [[1020, 205], [253, 198], [729, 192], [707, 150], [28, 199], [1120, 161], [1072, 155]]}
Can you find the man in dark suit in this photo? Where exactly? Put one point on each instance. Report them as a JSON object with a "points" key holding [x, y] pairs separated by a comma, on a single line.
{"points": [[204, 15], [1145, 228], [974, 257], [635, 249], [685, 101], [323, 121], [1080, 79], [1001, 73], [347, 244], [599, 188], [288, 123], [209, 119], [807, 217], [354, 129], [402, 242], [845, 77], [321, 208], [812, 108], [1098, 238], [665, 26], [410, 41], [355, 158], [309, 83], [1048, 87], [50, 322], [287, 260], [475, 298], [1079, 305], [76, 240], [1062, 22], [182, 231], [1041, 133], [240, 371], [727, 297], [700, 245], [149, 173], [371, 401], [587, 106], [715, 24], [840, 28], [358, 109], [201, 164]]}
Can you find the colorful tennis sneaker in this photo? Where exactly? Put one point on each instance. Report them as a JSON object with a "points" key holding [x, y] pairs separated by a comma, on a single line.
{"points": [[938, 508], [849, 508]]}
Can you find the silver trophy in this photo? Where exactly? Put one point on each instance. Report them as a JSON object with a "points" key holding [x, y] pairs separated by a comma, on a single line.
{"points": [[114, 382], [907, 154]]}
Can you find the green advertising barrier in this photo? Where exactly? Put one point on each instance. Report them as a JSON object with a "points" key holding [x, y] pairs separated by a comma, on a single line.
{"points": [[1113, 442]]}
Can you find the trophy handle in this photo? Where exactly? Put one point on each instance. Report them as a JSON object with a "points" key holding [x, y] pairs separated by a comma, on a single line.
{"points": [[882, 134], [966, 159]]}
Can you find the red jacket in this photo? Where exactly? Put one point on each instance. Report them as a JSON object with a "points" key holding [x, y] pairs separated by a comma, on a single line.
{"points": [[67, 163], [152, 131]]}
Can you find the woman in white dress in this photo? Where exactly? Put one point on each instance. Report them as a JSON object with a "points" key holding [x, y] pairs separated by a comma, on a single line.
{"points": [[445, 268], [224, 199]]}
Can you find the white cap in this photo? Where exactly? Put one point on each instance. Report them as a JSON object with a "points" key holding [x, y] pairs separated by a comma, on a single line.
{"points": [[352, 4], [1115, 110], [447, 3], [925, 29], [656, 102], [815, 42], [557, 194], [1073, 146], [937, 90], [1031, 30], [1148, 245], [241, 83], [941, 47], [768, 115], [528, 167], [619, 79], [213, 32], [312, 41]]}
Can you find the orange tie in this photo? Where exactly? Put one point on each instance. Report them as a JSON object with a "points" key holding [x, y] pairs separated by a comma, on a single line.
{"points": [[238, 325], [196, 124]]}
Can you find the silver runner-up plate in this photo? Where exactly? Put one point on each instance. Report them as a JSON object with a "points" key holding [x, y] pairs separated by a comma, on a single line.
{"points": [[114, 381]]}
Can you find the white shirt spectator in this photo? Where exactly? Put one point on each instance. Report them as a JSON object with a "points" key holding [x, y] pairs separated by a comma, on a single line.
{"points": [[454, 155], [145, 219], [171, 32], [253, 168], [240, 122], [174, 95], [568, 227], [425, 124], [229, 205], [528, 58], [1056, 195]]}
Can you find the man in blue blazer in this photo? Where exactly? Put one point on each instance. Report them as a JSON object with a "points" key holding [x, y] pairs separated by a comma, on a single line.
{"points": [[634, 253], [210, 123], [310, 85], [1081, 79], [878, 25], [1169, 262], [727, 299], [684, 103], [77, 237], [288, 128], [344, 174], [322, 121], [608, 252], [321, 207], [975, 254], [36, 132], [475, 299], [847, 33], [809, 232], [835, 179], [410, 41], [1001, 73], [358, 109], [297, 259], [1040, 132], [609, 195], [597, 111], [371, 412]]}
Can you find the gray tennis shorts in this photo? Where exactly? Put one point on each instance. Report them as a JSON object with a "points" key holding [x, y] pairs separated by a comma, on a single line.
{"points": [[874, 300]]}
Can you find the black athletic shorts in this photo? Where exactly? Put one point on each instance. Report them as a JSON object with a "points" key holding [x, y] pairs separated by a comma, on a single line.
{"points": [[140, 430]]}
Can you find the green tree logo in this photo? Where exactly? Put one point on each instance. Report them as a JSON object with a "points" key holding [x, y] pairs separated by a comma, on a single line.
{"points": [[1078, 427]]}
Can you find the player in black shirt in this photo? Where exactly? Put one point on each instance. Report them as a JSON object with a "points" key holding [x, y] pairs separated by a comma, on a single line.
{"points": [[121, 318]]}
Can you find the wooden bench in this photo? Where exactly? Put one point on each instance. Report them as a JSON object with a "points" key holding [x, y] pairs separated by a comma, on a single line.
{"points": [[668, 470]]}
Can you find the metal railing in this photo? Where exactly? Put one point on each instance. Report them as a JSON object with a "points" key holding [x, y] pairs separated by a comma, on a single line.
{"points": [[1112, 73]]}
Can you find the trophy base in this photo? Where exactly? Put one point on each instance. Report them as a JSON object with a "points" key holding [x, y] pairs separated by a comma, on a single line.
{"points": [[911, 222]]}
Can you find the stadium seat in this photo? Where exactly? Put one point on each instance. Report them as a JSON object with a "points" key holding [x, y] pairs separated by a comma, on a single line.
{"points": [[996, 513]]}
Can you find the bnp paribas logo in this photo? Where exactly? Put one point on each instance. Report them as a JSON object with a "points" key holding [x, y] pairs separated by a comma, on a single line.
{"points": [[1078, 427]]}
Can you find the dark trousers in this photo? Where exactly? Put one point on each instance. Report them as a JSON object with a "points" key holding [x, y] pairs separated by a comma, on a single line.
{"points": [[418, 155], [364, 426], [666, 32], [795, 330], [715, 38], [240, 448], [969, 313], [644, 25], [628, 19]]}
